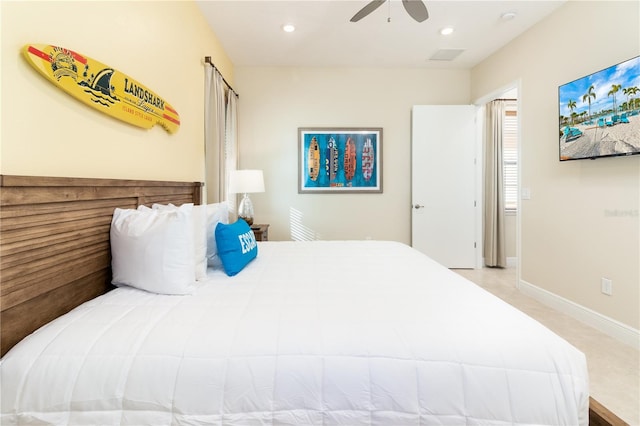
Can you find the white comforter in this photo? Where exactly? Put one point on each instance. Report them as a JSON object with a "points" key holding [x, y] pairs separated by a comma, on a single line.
{"points": [[310, 333]]}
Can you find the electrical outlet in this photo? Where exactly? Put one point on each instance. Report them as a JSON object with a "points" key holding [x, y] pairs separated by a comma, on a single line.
{"points": [[607, 286]]}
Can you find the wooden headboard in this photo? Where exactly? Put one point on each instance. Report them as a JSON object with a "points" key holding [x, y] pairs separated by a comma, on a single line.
{"points": [[54, 242]]}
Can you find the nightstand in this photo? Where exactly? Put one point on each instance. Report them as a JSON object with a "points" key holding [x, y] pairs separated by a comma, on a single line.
{"points": [[261, 232]]}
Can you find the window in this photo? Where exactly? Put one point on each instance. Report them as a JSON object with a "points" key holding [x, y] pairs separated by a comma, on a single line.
{"points": [[510, 156]]}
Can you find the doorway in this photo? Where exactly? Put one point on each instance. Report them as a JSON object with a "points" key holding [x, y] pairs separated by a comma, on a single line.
{"points": [[510, 178], [421, 204]]}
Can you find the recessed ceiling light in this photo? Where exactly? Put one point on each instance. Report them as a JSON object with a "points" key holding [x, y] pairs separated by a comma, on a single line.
{"points": [[288, 28], [446, 31], [508, 16]]}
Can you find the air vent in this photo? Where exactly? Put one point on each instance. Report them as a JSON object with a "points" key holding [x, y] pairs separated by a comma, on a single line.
{"points": [[446, 54]]}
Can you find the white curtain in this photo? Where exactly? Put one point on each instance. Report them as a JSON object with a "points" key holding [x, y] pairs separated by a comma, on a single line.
{"points": [[231, 145], [494, 241], [220, 136]]}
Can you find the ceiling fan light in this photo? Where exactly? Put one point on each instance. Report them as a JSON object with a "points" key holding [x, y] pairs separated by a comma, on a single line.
{"points": [[415, 8]]}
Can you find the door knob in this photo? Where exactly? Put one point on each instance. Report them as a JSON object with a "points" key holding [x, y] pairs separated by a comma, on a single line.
{"points": [[418, 206]]}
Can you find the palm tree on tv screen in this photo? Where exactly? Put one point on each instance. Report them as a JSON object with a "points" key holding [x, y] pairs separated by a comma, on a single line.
{"points": [[612, 92], [571, 105], [587, 97], [629, 92]]}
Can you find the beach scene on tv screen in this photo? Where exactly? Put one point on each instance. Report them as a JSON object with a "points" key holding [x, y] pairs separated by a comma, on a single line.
{"points": [[600, 113]]}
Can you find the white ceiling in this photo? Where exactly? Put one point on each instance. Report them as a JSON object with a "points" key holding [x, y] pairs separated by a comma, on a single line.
{"points": [[251, 31]]}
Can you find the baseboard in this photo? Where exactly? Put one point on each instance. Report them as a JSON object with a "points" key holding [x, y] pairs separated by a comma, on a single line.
{"points": [[606, 325]]}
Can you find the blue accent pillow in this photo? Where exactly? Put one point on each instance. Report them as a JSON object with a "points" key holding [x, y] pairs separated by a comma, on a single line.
{"points": [[236, 246]]}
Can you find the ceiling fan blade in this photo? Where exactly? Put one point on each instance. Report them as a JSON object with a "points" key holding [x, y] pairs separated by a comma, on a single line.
{"points": [[367, 10], [416, 9]]}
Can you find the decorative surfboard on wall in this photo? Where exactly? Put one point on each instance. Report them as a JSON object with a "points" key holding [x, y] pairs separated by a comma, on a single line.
{"points": [[102, 87], [314, 159]]}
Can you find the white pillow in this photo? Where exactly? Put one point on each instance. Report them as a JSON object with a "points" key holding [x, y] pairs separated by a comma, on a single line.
{"points": [[153, 249], [199, 226], [216, 213]]}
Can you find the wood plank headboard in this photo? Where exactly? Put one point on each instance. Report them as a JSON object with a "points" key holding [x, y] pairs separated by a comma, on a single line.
{"points": [[54, 242]]}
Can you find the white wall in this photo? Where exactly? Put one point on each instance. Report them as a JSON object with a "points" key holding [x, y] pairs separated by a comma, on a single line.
{"points": [[569, 238], [510, 234], [275, 102]]}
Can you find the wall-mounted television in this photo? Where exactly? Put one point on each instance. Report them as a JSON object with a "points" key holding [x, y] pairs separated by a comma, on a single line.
{"points": [[600, 113]]}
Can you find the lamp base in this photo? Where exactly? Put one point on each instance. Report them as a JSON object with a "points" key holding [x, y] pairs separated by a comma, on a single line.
{"points": [[245, 210], [249, 220]]}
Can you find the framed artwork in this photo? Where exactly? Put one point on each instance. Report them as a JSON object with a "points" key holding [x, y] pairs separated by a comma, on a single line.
{"points": [[339, 159]]}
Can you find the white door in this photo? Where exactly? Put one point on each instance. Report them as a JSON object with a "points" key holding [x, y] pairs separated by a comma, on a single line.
{"points": [[443, 169]]}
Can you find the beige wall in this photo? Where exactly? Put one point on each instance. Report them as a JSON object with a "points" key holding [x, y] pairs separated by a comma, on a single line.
{"points": [[274, 102], [46, 132], [571, 236]]}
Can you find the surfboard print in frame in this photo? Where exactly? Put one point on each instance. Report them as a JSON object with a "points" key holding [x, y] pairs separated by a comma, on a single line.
{"points": [[102, 87]]}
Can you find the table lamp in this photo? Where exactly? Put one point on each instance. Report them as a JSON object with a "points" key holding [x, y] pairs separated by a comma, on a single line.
{"points": [[246, 182]]}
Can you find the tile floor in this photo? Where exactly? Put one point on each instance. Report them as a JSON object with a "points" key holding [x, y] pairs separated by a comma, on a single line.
{"points": [[614, 367]]}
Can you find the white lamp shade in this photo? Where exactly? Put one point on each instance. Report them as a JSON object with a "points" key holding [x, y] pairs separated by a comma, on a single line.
{"points": [[246, 181]]}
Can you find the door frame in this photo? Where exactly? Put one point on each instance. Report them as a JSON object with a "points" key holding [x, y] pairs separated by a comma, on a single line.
{"points": [[481, 102], [479, 163]]}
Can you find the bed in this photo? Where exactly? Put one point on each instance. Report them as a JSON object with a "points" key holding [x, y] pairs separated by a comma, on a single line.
{"points": [[324, 332]]}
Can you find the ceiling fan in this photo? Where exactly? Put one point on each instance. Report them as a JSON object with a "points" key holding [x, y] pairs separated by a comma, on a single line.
{"points": [[415, 8]]}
